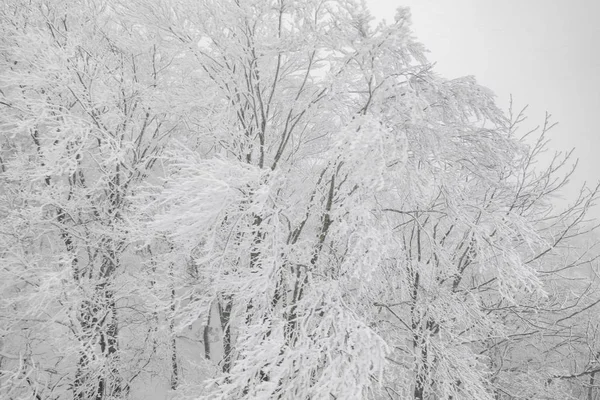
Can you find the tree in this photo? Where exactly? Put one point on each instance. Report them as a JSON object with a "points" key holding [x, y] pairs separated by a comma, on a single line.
{"points": [[479, 266], [417, 184], [287, 191], [83, 124]]}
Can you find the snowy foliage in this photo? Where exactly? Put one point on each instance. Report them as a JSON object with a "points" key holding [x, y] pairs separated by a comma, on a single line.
{"points": [[275, 200]]}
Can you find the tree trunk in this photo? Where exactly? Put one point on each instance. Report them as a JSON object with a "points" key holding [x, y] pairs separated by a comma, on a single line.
{"points": [[174, 363], [225, 315], [590, 395]]}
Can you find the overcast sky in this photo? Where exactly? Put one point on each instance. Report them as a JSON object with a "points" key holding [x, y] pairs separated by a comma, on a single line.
{"points": [[546, 53]]}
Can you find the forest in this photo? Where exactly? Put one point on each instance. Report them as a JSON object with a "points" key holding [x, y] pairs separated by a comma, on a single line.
{"points": [[278, 199]]}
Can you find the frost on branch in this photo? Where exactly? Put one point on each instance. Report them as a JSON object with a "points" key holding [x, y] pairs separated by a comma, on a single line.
{"points": [[275, 199]]}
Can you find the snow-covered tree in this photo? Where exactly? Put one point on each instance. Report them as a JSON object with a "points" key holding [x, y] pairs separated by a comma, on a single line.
{"points": [[274, 199], [83, 121], [352, 211]]}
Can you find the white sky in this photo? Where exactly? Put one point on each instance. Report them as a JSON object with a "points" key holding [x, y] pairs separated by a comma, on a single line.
{"points": [[546, 53]]}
